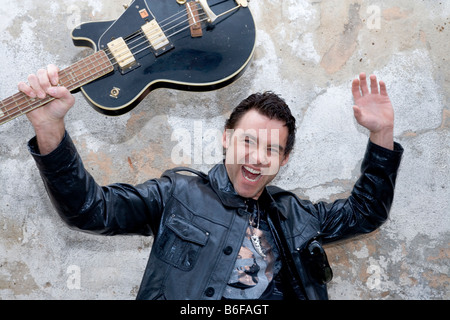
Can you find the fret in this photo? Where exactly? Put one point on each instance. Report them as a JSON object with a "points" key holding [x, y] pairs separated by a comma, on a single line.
{"points": [[13, 106], [2, 113], [88, 69], [72, 77]]}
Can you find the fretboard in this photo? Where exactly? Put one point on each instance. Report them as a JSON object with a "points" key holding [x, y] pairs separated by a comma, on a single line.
{"points": [[73, 77]]}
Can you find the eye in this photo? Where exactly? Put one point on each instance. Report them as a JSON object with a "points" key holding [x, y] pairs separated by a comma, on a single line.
{"points": [[248, 140], [273, 150]]}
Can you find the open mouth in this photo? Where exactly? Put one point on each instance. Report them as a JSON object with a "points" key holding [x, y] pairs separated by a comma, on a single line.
{"points": [[250, 174]]}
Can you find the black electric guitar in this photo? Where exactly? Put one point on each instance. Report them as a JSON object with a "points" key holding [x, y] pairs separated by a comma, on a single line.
{"points": [[188, 45]]}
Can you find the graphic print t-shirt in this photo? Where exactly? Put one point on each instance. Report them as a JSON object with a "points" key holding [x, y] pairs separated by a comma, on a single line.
{"points": [[253, 273]]}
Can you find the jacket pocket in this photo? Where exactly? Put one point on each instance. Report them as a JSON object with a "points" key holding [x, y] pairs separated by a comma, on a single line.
{"points": [[180, 243]]}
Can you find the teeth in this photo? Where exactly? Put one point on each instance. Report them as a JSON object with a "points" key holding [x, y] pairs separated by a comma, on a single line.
{"points": [[252, 180], [252, 170]]}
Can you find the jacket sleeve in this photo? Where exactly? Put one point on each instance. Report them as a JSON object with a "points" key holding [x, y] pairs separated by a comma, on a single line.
{"points": [[371, 198], [86, 206]]}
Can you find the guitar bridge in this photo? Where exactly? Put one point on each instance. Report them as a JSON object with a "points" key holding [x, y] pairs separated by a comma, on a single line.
{"points": [[194, 21]]}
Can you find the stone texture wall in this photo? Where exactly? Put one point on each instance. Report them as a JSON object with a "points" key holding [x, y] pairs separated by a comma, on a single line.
{"points": [[307, 51]]}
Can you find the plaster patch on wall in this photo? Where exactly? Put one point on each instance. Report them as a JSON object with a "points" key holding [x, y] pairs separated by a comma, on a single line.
{"points": [[15, 279], [26, 50], [320, 156], [198, 142], [363, 253], [96, 5], [298, 10], [413, 91], [423, 197], [344, 45], [321, 192], [304, 48], [267, 64]]}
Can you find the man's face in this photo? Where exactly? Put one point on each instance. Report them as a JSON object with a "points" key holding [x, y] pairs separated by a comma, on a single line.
{"points": [[255, 152]]}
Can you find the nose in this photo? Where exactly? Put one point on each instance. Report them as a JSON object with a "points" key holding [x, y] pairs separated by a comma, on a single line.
{"points": [[262, 156], [259, 156]]}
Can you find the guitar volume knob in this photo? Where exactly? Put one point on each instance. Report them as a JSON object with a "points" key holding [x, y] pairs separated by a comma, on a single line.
{"points": [[115, 93]]}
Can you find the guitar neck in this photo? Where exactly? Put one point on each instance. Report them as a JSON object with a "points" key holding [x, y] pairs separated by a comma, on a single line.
{"points": [[73, 77]]}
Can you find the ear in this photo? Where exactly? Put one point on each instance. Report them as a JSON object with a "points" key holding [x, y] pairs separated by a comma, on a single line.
{"points": [[285, 160], [226, 136]]}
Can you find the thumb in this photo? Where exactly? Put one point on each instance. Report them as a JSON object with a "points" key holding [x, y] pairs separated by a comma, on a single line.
{"points": [[63, 95], [357, 113], [58, 92]]}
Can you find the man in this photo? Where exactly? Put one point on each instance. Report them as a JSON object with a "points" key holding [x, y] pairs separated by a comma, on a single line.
{"points": [[225, 234]]}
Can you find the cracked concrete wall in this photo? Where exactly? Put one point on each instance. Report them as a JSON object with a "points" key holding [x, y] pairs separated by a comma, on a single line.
{"points": [[308, 51]]}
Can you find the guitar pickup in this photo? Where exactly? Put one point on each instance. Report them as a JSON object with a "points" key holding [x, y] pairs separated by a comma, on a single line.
{"points": [[122, 54], [156, 37]]}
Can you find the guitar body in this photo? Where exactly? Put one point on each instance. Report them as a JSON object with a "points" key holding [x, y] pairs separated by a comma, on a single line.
{"points": [[203, 63]]}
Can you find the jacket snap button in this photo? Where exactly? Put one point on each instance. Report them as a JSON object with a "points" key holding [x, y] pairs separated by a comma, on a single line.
{"points": [[228, 250], [209, 292]]}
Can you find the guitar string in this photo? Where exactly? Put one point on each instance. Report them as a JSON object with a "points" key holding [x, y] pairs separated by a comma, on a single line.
{"points": [[9, 114], [128, 42], [183, 14], [150, 40], [128, 38], [139, 32], [36, 103]]}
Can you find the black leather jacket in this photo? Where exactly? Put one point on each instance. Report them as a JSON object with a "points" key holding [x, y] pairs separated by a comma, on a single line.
{"points": [[199, 221]]}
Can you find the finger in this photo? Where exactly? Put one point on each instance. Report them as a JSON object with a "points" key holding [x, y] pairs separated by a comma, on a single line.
{"points": [[53, 75], [36, 86], [363, 84], [373, 84], [383, 90], [44, 80], [22, 86], [355, 89]]}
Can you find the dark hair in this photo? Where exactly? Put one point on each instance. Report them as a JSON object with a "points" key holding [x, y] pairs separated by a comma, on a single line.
{"points": [[270, 105]]}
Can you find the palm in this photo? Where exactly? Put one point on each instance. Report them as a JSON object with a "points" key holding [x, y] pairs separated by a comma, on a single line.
{"points": [[373, 110]]}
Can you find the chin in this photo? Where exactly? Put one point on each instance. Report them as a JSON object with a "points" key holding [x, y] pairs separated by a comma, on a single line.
{"points": [[249, 193]]}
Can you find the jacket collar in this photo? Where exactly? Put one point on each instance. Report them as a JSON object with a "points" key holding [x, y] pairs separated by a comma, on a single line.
{"points": [[221, 184]]}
